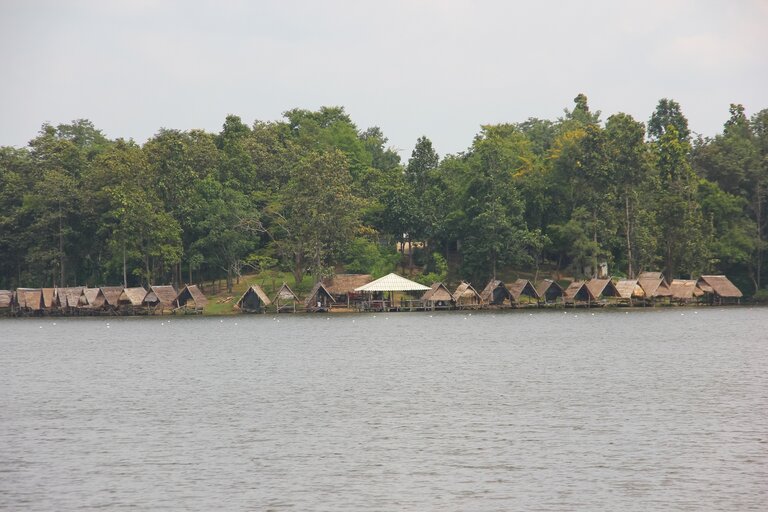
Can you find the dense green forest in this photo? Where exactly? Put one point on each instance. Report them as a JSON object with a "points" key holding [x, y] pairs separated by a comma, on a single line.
{"points": [[313, 194]]}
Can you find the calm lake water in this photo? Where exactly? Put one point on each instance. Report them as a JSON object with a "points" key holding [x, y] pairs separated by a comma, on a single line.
{"points": [[637, 410]]}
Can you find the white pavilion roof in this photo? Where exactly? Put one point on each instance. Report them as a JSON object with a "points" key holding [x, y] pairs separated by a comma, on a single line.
{"points": [[392, 283]]}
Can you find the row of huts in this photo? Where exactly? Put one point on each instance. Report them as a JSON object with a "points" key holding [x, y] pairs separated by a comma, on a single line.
{"points": [[393, 292], [106, 300]]}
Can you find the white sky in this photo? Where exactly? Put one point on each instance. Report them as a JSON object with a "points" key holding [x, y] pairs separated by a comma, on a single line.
{"points": [[419, 67]]}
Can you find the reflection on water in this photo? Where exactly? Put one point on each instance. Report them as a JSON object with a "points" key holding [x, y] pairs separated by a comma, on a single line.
{"points": [[640, 410]]}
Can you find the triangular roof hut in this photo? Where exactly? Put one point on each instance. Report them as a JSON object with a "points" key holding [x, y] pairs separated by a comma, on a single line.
{"points": [[495, 292], [319, 298], [466, 296], [600, 288], [112, 295], [523, 287], [191, 294], [438, 296], [72, 297], [630, 289], [719, 287], [578, 291], [285, 299], [254, 300], [6, 299], [654, 285], [161, 297], [29, 299], [132, 296], [549, 290], [94, 297], [685, 290], [49, 298]]}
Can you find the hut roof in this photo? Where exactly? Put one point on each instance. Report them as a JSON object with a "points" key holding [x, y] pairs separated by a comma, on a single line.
{"points": [[193, 293], [165, 295], [720, 285], [30, 298], [254, 288], [523, 287], [578, 290], [285, 293], [318, 289], [654, 284], [465, 291], [72, 297], [49, 298], [685, 289], [133, 296], [436, 292], [629, 288], [341, 284], [94, 297], [543, 286], [487, 293], [112, 295], [6, 298], [602, 288], [392, 283]]}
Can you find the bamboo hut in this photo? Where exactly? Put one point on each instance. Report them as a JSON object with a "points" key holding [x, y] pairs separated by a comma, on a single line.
{"points": [[49, 300], [496, 293], [112, 297], [685, 291], [71, 300], [603, 290], [319, 299], [438, 297], [285, 300], [131, 300], [29, 301], [94, 299], [6, 300], [524, 288], [629, 291], [654, 286], [549, 291], [466, 297], [254, 300], [342, 287], [191, 299], [719, 289], [578, 292], [160, 298]]}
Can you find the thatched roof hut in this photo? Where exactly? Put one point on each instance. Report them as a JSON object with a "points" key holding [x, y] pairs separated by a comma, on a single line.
{"points": [[523, 287], [161, 297], [72, 297], [438, 296], [600, 288], [578, 291], [341, 285], [254, 300], [190, 297], [29, 299], [6, 299], [496, 293], [94, 298], [133, 297], [112, 295], [285, 299], [549, 291], [630, 289], [319, 299], [654, 285], [719, 287], [466, 296], [685, 290], [49, 298]]}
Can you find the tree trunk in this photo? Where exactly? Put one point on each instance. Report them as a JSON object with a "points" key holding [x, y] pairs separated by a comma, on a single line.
{"points": [[125, 273], [298, 268], [61, 247], [630, 273]]}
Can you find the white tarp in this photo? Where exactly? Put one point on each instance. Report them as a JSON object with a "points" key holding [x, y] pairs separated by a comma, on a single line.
{"points": [[392, 283]]}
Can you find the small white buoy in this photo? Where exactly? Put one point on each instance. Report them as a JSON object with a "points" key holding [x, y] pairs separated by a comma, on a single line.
{"points": [[54, 323], [593, 314], [235, 323], [41, 326]]}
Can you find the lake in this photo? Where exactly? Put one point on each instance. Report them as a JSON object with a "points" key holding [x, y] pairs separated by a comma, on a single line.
{"points": [[656, 409]]}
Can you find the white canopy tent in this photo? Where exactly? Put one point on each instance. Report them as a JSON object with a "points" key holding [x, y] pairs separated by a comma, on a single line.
{"points": [[392, 283]]}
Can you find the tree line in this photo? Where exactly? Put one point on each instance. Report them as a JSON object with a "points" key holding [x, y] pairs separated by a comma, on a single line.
{"points": [[312, 193]]}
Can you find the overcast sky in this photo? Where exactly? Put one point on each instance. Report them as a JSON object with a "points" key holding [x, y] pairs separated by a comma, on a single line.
{"points": [[419, 67]]}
